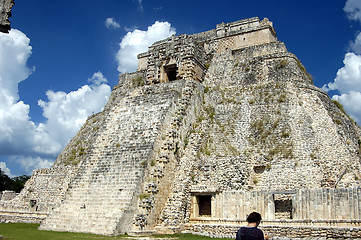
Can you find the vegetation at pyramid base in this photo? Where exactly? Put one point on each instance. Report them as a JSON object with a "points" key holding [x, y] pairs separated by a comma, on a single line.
{"points": [[13, 184], [29, 231]]}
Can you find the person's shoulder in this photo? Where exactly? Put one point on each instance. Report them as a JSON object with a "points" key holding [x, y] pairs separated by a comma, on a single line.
{"points": [[243, 229], [258, 232]]}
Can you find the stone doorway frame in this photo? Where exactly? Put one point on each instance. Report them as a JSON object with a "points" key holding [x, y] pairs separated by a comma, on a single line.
{"points": [[203, 205]]}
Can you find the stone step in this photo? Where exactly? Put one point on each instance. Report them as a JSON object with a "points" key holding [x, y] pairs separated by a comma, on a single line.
{"points": [[103, 189]]}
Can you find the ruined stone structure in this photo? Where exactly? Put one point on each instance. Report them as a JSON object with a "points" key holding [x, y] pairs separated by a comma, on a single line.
{"points": [[209, 128], [5, 13]]}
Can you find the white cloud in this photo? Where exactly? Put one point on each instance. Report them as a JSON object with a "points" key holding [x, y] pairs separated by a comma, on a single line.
{"points": [[30, 163], [130, 29], [15, 51], [97, 78], [15, 128], [31, 145], [5, 169], [138, 41], [67, 112], [351, 101], [348, 78], [355, 46], [353, 9], [348, 84], [111, 23]]}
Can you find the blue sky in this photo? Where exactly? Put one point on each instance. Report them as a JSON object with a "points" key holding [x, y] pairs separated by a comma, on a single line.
{"points": [[61, 59]]}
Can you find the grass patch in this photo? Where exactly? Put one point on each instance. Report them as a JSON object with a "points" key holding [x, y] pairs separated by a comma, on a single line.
{"points": [[271, 138], [303, 69], [340, 106], [282, 64], [29, 231], [206, 89], [138, 81], [144, 195], [282, 98], [210, 110]]}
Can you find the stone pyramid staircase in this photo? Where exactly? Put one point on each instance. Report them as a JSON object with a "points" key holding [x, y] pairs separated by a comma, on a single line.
{"points": [[102, 197]]}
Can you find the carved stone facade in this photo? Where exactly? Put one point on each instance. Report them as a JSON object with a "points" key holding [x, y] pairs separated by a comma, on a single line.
{"points": [[209, 128], [183, 58], [187, 57], [5, 14]]}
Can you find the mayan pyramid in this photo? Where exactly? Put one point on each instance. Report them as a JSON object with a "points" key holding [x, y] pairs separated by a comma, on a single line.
{"points": [[210, 127]]}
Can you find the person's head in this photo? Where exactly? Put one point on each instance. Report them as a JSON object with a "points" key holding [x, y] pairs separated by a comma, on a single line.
{"points": [[254, 217]]}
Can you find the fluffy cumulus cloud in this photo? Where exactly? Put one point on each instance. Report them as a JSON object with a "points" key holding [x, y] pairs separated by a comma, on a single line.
{"points": [[138, 41], [348, 78], [15, 127], [348, 83], [5, 169], [111, 23], [97, 78], [67, 112], [33, 145], [353, 9]]}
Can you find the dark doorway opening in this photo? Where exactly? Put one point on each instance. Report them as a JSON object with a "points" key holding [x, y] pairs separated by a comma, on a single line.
{"points": [[283, 209], [32, 203], [204, 205], [171, 71]]}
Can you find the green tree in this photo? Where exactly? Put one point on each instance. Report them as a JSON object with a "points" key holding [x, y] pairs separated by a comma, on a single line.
{"points": [[19, 182], [5, 181], [13, 184]]}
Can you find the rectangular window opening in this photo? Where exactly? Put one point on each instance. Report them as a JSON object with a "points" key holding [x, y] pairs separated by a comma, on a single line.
{"points": [[171, 71], [32, 203], [283, 209], [204, 205]]}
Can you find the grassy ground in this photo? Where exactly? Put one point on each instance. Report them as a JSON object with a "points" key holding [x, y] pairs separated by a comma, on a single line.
{"points": [[28, 231]]}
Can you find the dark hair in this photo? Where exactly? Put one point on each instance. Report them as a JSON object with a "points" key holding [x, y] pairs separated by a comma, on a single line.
{"points": [[254, 217]]}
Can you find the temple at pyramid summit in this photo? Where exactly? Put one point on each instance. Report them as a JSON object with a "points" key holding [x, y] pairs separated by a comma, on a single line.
{"points": [[211, 127]]}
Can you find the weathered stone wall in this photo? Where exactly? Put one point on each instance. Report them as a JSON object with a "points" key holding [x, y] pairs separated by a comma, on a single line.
{"points": [[126, 163], [321, 204], [260, 117], [244, 33], [7, 195], [43, 192], [182, 51], [306, 204], [22, 216], [82, 144], [160, 175], [193, 53], [257, 130], [5, 14]]}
